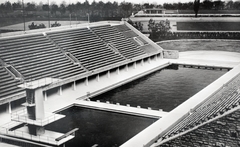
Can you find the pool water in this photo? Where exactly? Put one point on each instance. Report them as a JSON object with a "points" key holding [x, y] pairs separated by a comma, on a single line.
{"points": [[164, 89], [101, 128]]}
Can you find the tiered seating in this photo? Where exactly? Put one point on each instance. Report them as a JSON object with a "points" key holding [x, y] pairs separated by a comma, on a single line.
{"points": [[122, 28], [129, 34], [36, 57], [8, 86], [222, 101], [111, 35], [135, 39], [86, 47]]}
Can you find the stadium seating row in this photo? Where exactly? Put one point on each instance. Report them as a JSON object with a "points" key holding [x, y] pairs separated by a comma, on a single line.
{"points": [[223, 100], [86, 47], [44, 54], [8, 84]]}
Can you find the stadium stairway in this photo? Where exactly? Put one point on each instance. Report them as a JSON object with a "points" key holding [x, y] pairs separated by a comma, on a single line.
{"points": [[135, 38], [8, 84], [111, 35]]}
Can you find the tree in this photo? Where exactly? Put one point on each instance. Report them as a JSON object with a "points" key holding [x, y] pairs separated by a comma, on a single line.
{"points": [[137, 25], [16, 5], [45, 7], [62, 9], [229, 4], [54, 9], [8, 6], [156, 29], [31, 7], [196, 6], [207, 4], [218, 4], [126, 7]]}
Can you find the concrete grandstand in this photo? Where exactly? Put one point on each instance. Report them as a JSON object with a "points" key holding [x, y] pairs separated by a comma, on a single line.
{"points": [[89, 59]]}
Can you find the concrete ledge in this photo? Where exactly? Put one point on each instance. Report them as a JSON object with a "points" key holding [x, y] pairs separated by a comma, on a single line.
{"points": [[121, 109]]}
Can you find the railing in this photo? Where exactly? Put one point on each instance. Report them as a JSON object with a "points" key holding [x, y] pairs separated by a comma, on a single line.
{"points": [[21, 116], [25, 135], [138, 41]]}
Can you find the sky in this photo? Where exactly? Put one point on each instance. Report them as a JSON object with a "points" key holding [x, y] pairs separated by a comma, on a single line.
{"points": [[119, 1]]}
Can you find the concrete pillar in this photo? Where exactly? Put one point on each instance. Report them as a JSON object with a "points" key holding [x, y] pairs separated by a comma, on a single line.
{"points": [[142, 62], [135, 65], [74, 85], [97, 78], [9, 107], [45, 96], [126, 67], [108, 74], [118, 71], [86, 81], [155, 58], [149, 60], [60, 90]]}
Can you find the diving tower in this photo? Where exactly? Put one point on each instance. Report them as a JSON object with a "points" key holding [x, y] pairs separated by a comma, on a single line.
{"points": [[32, 119]]}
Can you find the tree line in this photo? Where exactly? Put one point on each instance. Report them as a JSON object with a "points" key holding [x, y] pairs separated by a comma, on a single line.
{"points": [[110, 9]]}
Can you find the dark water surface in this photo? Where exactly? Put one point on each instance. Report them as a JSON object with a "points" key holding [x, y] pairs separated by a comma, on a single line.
{"points": [[163, 89], [106, 129]]}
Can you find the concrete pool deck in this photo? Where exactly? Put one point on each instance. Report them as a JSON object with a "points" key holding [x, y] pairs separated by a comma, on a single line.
{"points": [[159, 127], [205, 58]]}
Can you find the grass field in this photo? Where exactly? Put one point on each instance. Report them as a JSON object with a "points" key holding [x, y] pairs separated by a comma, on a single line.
{"points": [[208, 26], [231, 46]]}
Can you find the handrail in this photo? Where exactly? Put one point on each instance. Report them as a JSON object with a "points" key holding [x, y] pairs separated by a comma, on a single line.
{"points": [[67, 134], [22, 117]]}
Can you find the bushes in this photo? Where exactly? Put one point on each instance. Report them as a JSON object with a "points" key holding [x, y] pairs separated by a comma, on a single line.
{"points": [[197, 35], [33, 26]]}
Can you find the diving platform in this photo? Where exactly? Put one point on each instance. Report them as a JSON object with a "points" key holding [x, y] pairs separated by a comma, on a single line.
{"points": [[39, 83], [49, 137], [22, 116]]}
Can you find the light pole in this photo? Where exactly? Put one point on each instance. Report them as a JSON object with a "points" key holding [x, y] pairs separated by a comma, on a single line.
{"points": [[88, 17], [76, 18], [48, 14], [70, 17], [23, 15]]}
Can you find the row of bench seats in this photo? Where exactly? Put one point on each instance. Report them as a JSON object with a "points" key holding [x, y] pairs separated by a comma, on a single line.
{"points": [[111, 35], [86, 47], [225, 99], [131, 35], [122, 28], [8, 86], [36, 57]]}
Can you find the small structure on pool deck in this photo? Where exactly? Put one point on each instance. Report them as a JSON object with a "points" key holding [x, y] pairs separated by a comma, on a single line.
{"points": [[36, 118]]}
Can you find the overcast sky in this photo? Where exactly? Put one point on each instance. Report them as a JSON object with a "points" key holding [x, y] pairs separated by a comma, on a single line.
{"points": [[119, 1]]}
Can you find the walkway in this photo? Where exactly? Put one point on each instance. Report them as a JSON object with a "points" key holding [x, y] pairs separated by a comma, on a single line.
{"points": [[208, 58], [122, 109]]}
